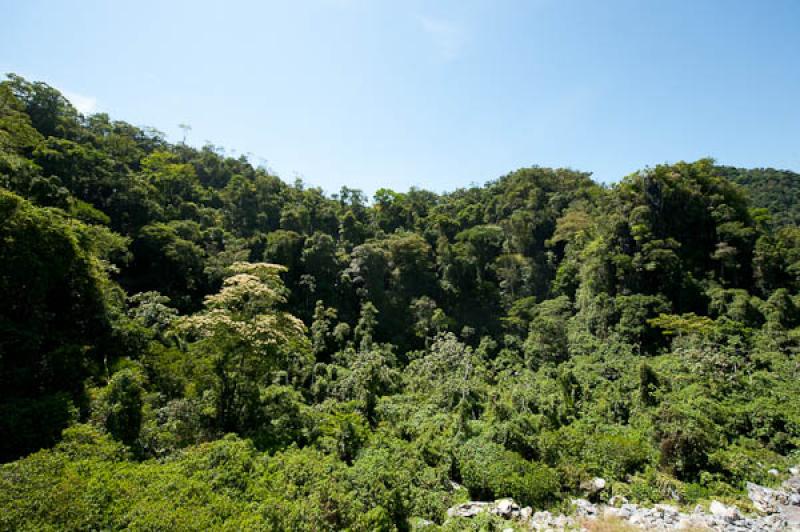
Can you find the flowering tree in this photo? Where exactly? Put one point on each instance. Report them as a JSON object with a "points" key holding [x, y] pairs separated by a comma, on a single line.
{"points": [[246, 343]]}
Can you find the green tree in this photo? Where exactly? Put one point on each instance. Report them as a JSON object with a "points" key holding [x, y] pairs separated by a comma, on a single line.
{"points": [[118, 406], [247, 343], [55, 321]]}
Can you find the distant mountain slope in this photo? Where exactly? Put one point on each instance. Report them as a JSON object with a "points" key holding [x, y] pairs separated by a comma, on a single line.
{"points": [[776, 190]]}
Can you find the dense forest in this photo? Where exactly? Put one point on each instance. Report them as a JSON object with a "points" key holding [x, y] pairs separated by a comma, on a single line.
{"points": [[188, 342]]}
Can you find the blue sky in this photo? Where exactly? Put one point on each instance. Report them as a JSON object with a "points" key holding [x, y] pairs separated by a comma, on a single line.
{"points": [[433, 94]]}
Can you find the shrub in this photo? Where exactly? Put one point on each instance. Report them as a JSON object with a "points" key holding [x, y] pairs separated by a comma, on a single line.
{"points": [[489, 471]]}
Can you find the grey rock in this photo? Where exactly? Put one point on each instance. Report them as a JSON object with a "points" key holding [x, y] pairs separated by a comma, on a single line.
{"points": [[792, 484], [468, 509], [584, 508], [594, 485], [636, 519], [667, 509], [690, 522], [780, 506], [617, 500], [504, 507], [728, 514], [627, 510], [766, 499]]}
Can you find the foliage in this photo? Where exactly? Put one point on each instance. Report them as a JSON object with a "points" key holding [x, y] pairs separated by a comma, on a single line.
{"points": [[188, 342]]}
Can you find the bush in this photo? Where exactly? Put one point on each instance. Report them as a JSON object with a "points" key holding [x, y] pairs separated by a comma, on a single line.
{"points": [[746, 461], [608, 451], [490, 471], [687, 435], [118, 407]]}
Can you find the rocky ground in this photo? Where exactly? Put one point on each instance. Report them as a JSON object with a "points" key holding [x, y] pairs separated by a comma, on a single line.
{"points": [[779, 509]]}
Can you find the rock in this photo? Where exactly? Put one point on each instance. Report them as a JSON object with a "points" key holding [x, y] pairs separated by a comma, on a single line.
{"points": [[726, 513], [690, 523], [456, 486], [669, 514], [504, 507], [794, 471], [791, 514], [594, 485], [792, 484], [781, 506], [667, 509], [468, 509], [547, 521], [617, 500], [774, 472], [627, 510], [584, 508], [772, 522], [765, 499], [508, 530], [636, 519], [563, 522]]}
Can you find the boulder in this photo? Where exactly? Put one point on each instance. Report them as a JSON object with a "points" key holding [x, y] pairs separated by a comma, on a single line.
{"points": [[792, 485], [627, 510], [468, 509], [504, 507], [726, 513], [766, 499], [666, 509], [617, 500], [594, 485], [690, 523], [584, 508]]}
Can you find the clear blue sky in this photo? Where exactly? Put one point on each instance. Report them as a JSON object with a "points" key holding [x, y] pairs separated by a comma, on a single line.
{"points": [[432, 94]]}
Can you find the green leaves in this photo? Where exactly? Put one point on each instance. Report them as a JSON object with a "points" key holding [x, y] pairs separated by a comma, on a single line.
{"points": [[118, 406], [54, 318], [247, 343], [491, 472], [518, 337]]}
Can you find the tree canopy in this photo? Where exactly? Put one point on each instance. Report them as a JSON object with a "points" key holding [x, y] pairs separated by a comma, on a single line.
{"points": [[187, 341]]}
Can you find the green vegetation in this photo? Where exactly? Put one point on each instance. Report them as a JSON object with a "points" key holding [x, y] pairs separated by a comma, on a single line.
{"points": [[187, 342], [777, 191]]}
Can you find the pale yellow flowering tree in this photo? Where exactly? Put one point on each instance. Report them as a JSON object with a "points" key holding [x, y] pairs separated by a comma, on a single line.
{"points": [[246, 342]]}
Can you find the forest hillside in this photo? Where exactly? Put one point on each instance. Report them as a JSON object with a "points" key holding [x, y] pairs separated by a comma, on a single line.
{"points": [[188, 342]]}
